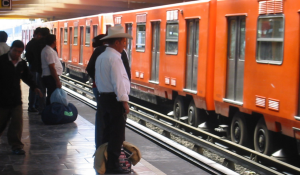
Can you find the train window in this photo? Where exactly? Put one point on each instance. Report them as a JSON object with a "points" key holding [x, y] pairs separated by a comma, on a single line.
{"points": [[54, 31], [270, 30], [75, 41], [95, 30], [51, 31], [172, 38], [66, 36], [140, 37], [87, 35]]}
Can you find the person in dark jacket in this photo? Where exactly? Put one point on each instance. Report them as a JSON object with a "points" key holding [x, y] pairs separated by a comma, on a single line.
{"points": [[12, 70], [100, 47], [31, 57]]}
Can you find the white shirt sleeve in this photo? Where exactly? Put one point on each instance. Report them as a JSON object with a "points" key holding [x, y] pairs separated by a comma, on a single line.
{"points": [[118, 76], [50, 58]]}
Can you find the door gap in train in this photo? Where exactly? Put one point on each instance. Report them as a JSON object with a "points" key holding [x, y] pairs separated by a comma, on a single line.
{"points": [[81, 45], [155, 51], [61, 41], [70, 44], [192, 54], [235, 58], [129, 41]]}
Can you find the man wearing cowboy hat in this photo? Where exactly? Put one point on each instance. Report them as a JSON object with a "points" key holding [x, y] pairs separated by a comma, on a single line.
{"points": [[114, 86]]}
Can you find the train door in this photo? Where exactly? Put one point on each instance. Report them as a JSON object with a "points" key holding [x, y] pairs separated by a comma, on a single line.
{"points": [[192, 54], [81, 45], [70, 43], [155, 51], [129, 41], [61, 41], [236, 58]]}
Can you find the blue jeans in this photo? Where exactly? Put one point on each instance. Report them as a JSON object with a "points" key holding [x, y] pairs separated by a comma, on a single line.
{"points": [[98, 130]]}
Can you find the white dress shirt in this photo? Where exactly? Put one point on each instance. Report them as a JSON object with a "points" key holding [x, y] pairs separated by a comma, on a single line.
{"points": [[4, 48], [49, 56], [110, 74]]}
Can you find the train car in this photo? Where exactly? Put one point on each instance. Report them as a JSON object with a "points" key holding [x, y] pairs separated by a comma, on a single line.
{"points": [[257, 71], [75, 42], [225, 65], [172, 55]]}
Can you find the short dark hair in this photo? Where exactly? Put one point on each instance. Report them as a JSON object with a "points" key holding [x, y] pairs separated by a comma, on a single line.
{"points": [[17, 44], [45, 31], [97, 42], [3, 36], [50, 39], [37, 31], [111, 41]]}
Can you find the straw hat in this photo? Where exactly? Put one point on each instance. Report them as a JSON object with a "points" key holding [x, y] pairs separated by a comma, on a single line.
{"points": [[116, 32]]}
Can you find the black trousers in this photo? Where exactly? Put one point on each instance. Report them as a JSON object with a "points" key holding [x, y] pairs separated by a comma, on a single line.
{"points": [[114, 118], [50, 85]]}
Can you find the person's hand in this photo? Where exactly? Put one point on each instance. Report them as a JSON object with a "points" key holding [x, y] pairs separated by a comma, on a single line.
{"points": [[58, 84], [126, 107], [38, 91]]}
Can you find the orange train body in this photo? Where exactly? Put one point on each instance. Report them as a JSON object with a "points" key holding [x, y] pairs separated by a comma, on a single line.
{"points": [[245, 55]]}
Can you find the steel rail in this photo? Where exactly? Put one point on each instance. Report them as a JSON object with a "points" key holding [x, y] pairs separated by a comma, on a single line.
{"points": [[230, 151]]}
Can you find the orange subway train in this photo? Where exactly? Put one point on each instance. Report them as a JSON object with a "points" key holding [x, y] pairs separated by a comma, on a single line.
{"points": [[231, 66]]}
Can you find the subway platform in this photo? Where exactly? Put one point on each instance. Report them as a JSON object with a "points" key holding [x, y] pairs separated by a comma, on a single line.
{"points": [[55, 149]]}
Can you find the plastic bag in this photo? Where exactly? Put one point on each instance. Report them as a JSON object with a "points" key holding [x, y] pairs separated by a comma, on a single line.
{"points": [[59, 96]]}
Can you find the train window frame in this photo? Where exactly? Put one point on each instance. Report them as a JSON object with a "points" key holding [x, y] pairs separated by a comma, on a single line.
{"points": [[75, 36], [87, 41], [136, 43], [171, 40], [272, 40], [65, 35]]}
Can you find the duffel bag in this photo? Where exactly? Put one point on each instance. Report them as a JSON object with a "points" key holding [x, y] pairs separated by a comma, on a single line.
{"points": [[57, 113]]}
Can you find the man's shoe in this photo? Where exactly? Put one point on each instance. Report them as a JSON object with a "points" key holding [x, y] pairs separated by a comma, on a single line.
{"points": [[32, 110], [117, 171], [18, 152]]}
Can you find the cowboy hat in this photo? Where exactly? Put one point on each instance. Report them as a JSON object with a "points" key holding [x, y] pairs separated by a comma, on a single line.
{"points": [[116, 32]]}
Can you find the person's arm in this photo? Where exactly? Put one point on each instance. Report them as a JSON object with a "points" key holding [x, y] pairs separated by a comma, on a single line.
{"points": [[28, 79], [54, 75], [117, 79]]}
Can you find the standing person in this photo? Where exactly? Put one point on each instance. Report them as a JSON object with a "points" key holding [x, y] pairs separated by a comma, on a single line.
{"points": [[12, 70], [4, 48], [51, 66], [31, 58], [114, 86]]}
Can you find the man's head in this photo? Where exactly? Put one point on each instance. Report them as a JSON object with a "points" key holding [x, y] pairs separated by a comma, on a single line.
{"points": [[51, 40], [97, 42], [3, 36], [16, 49], [45, 31], [116, 38], [37, 33]]}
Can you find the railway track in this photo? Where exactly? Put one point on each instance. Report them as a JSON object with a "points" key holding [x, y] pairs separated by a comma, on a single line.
{"points": [[233, 153]]}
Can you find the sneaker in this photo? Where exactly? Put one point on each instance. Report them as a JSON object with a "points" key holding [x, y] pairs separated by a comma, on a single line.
{"points": [[18, 152], [32, 110]]}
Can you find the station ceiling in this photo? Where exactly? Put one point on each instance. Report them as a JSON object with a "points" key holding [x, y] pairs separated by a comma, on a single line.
{"points": [[63, 9]]}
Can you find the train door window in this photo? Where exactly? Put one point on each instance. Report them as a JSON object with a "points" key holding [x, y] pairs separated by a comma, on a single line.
{"points": [[95, 30], [140, 37], [87, 35], [155, 51], [61, 41], [192, 54], [129, 42], [235, 58], [70, 43], [66, 36], [270, 30], [54, 31], [75, 41], [172, 38], [81, 44]]}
